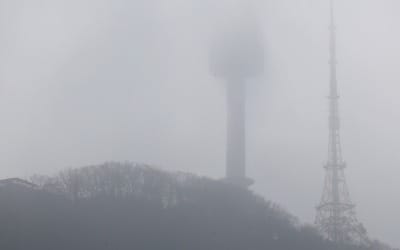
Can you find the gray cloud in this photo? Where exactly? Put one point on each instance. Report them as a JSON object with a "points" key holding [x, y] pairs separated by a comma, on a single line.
{"points": [[88, 81]]}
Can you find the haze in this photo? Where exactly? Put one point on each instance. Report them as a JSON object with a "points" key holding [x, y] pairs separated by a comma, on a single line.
{"points": [[83, 82]]}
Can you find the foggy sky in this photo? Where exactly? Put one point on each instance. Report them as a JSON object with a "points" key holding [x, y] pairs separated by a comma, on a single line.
{"points": [[87, 81]]}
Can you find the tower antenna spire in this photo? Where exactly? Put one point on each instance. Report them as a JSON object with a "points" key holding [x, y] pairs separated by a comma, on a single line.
{"points": [[336, 217], [332, 9]]}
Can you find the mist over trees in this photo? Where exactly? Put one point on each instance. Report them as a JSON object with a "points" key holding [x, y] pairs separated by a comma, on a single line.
{"points": [[131, 206]]}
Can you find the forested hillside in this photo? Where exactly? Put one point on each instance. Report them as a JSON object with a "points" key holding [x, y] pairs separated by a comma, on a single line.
{"points": [[122, 206]]}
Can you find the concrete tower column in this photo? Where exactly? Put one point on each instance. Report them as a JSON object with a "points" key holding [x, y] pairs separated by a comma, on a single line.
{"points": [[236, 131]]}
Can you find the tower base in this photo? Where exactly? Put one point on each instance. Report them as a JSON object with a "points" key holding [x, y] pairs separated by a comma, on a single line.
{"points": [[240, 182]]}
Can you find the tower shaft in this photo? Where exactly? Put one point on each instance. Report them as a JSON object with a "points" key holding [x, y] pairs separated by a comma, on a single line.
{"points": [[236, 134], [336, 217]]}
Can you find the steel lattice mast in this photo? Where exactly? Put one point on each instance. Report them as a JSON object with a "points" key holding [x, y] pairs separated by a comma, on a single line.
{"points": [[336, 218]]}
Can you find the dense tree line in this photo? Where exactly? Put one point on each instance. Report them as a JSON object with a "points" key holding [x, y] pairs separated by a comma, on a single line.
{"points": [[122, 206]]}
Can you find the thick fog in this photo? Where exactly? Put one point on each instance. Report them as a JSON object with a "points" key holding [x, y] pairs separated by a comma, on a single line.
{"points": [[87, 81]]}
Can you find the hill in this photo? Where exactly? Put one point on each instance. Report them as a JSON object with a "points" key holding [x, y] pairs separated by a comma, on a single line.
{"points": [[122, 206]]}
